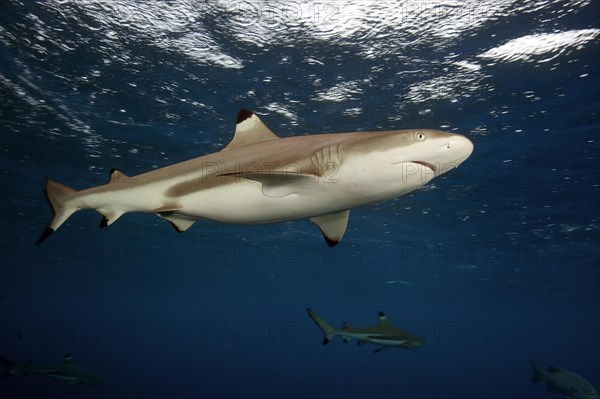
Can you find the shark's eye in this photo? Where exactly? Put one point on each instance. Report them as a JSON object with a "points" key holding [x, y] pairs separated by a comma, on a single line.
{"points": [[420, 136], [590, 392]]}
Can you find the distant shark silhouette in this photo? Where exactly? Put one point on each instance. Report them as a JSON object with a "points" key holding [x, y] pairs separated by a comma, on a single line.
{"points": [[564, 382], [67, 371], [260, 178], [383, 333]]}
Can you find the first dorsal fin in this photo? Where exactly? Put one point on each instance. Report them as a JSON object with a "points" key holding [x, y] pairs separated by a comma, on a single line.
{"points": [[116, 176], [383, 320], [249, 129], [68, 358]]}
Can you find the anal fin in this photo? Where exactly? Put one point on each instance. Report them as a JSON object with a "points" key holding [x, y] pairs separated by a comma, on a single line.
{"points": [[109, 217], [333, 226]]}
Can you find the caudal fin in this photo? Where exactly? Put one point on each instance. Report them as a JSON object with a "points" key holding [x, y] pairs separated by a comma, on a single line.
{"points": [[10, 367], [58, 196], [327, 330], [538, 373]]}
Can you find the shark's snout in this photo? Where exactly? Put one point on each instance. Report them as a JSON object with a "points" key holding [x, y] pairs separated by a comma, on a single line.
{"points": [[461, 147]]}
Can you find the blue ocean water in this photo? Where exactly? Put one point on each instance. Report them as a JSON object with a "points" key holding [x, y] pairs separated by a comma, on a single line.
{"points": [[493, 264]]}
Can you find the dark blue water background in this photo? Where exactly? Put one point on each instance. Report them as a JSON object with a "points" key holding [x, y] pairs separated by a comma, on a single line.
{"points": [[493, 264]]}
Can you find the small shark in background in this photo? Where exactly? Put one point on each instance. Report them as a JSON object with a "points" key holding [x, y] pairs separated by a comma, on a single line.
{"points": [[565, 382], [67, 370], [260, 178], [383, 333]]}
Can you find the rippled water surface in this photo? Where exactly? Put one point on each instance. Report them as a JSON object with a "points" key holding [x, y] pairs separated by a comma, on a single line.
{"points": [[492, 264]]}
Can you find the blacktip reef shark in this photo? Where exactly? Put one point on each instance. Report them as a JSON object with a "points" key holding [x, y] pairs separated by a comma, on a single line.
{"points": [[67, 371], [259, 178], [564, 382], [383, 333]]}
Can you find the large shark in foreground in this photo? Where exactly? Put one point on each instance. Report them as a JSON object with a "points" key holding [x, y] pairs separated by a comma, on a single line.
{"points": [[260, 178], [67, 371], [383, 333]]}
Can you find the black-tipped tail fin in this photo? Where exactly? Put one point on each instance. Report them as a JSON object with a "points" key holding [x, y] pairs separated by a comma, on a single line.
{"points": [[58, 196], [327, 330]]}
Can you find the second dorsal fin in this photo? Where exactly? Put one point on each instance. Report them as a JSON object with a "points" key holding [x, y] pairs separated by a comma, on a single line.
{"points": [[249, 129]]}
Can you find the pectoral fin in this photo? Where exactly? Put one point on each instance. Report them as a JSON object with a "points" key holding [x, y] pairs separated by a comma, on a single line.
{"points": [[279, 184], [333, 226]]}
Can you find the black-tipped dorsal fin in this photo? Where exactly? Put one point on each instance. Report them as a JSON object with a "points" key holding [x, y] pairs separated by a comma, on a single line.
{"points": [[116, 176], [68, 358], [383, 320], [249, 129], [333, 226]]}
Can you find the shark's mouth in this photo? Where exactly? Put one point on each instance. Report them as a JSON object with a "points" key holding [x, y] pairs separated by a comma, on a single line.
{"points": [[426, 164]]}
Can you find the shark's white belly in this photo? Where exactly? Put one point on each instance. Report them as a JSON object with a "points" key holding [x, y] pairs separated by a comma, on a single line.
{"points": [[248, 202], [245, 203], [388, 342]]}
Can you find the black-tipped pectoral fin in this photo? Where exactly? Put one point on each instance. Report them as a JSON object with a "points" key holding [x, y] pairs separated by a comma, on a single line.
{"points": [[45, 234], [333, 226]]}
